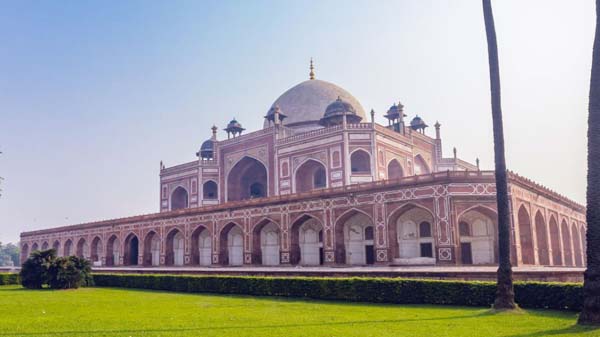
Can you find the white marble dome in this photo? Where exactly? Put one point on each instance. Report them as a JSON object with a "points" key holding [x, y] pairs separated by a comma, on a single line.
{"points": [[305, 103]]}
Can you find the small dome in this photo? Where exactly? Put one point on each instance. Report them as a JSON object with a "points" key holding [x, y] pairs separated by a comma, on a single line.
{"points": [[338, 108], [234, 124], [207, 149], [418, 123], [336, 111]]}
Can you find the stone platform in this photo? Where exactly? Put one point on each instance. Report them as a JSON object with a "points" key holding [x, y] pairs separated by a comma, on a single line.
{"points": [[480, 273]]}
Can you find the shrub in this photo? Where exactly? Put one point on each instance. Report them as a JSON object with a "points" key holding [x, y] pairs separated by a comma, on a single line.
{"points": [[69, 272], [9, 278], [34, 272], [563, 296], [43, 267]]}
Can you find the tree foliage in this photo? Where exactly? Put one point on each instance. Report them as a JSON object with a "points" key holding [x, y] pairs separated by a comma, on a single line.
{"points": [[44, 268], [9, 254]]}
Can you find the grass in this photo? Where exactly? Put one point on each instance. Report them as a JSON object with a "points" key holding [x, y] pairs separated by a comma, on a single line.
{"points": [[120, 312]]}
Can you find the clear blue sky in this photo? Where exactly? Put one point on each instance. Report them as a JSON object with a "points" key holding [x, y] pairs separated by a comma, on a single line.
{"points": [[93, 94]]}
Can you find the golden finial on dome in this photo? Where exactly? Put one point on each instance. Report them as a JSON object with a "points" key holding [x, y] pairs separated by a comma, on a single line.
{"points": [[312, 70]]}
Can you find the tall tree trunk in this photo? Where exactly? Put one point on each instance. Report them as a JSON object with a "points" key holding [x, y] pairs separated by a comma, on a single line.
{"points": [[505, 296], [591, 286]]}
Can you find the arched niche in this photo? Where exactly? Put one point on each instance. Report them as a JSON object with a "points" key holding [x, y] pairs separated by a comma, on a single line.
{"points": [[310, 175], [394, 170], [478, 236], [179, 198], [306, 246], [247, 180], [360, 162], [201, 246]]}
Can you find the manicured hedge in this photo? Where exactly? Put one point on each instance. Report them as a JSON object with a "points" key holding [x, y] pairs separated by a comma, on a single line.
{"points": [[562, 296], [9, 278]]}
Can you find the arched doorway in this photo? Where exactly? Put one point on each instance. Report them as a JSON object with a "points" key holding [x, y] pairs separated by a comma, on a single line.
{"points": [[232, 245], [132, 245], [555, 242], [310, 175], [201, 247], [113, 253], [542, 239], [360, 162], [68, 248], [354, 234], [179, 198], [96, 251], [567, 248], [24, 252], [421, 166], [56, 247], [45, 245], [35, 247], [210, 190], [265, 243], [395, 170], [152, 249], [414, 236], [477, 234], [307, 242], [526, 236], [83, 249], [247, 180], [577, 246], [175, 248]]}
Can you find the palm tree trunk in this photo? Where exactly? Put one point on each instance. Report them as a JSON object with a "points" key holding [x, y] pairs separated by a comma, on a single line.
{"points": [[505, 296], [591, 286]]}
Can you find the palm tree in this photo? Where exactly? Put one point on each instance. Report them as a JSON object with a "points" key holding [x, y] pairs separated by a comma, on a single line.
{"points": [[591, 285], [505, 296]]}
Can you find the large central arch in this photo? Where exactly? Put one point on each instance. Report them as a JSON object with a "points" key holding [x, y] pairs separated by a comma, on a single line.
{"points": [[246, 180]]}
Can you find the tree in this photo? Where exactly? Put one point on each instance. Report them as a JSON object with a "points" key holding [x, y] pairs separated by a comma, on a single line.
{"points": [[505, 296], [9, 255], [591, 284], [43, 267], [34, 272]]}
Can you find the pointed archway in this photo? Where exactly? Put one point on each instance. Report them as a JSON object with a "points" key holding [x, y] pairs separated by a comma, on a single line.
{"points": [[541, 234], [247, 180]]}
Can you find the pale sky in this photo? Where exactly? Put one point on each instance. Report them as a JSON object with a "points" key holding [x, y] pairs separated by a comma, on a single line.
{"points": [[94, 94]]}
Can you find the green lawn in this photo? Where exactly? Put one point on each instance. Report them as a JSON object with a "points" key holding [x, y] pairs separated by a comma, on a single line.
{"points": [[119, 312]]}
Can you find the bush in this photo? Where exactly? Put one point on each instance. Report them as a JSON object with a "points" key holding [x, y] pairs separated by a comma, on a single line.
{"points": [[562, 296], [43, 267], [69, 272], [9, 278], [34, 272]]}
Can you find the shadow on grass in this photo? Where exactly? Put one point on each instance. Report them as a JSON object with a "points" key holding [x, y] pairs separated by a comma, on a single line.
{"points": [[573, 329], [244, 327]]}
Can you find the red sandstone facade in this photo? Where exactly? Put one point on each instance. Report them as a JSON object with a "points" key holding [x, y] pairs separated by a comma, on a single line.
{"points": [[319, 185]]}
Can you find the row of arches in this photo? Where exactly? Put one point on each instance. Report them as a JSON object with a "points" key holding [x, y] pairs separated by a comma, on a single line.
{"points": [[553, 244], [411, 234]]}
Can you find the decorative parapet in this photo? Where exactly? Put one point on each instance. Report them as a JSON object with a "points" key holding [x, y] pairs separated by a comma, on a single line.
{"points": [[547, 192], [246, 137]]}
